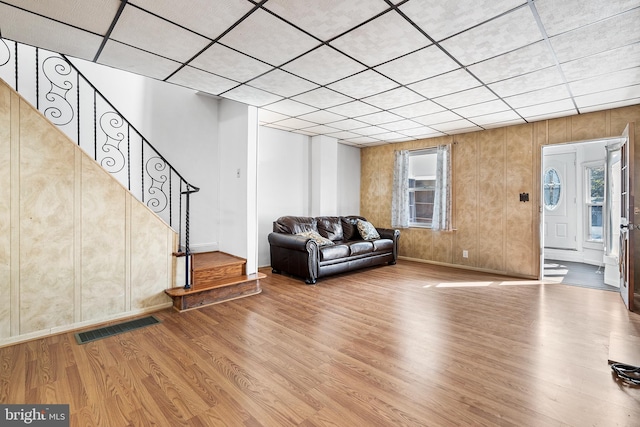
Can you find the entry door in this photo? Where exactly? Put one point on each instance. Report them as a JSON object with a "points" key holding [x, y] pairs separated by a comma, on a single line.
{"points": [[627, 210], [559, 197]]}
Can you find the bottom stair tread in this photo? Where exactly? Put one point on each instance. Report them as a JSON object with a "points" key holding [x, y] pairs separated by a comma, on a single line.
{"points": [[219, 283]]}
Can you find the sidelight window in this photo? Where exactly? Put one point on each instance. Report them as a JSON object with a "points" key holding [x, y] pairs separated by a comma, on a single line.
{"points": [[594, 200]]}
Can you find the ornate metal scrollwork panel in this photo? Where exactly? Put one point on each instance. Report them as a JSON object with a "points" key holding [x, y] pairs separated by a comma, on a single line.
{"points": [[114, 159], [55, 69], [158, 171]]}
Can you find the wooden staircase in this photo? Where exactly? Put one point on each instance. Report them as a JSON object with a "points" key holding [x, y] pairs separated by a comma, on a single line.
{"points": [[216, 277]]}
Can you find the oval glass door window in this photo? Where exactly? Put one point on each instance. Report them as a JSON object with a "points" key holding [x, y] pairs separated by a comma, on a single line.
{"points": [[552, 188]]}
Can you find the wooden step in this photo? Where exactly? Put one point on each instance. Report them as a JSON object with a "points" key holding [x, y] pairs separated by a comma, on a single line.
{"points": [[207, 268], [216, 291]]}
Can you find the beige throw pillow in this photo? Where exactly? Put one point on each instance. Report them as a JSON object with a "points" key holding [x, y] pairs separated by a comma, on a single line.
{"points": [[367, 230], [313, 235]]}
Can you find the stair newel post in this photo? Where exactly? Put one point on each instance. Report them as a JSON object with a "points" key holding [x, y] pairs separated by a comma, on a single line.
{"points": [[187, 282]]}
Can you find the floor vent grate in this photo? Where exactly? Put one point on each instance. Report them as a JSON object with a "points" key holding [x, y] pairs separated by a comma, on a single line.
{"points": [[118, 328]]}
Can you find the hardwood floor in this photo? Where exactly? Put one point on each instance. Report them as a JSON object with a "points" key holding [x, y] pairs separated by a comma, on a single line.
{"points": [[409, 344]]}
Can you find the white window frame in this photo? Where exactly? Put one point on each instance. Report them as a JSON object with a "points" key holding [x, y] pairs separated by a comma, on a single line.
{"points": [[426, 222], [589, 203]]}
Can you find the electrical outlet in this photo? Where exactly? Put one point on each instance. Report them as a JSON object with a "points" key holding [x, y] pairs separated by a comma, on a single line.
{"points": [[465, 254]]}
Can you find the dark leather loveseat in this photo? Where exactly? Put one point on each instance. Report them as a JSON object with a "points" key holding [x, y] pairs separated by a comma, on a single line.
{"points": [[342, 249]]}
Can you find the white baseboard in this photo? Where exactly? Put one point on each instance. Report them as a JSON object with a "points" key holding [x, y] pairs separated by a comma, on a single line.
{"points": [[204, 247]]}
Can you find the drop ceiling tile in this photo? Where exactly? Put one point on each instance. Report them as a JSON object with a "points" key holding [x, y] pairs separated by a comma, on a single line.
{"points": [[313, 66], [467, 97], [547, 108], [521, 61], [202, 16], [490, 107], [614, 80], [455, 81], [343, 134], [381, 40], [442, 117], [420, 65], [548, 116], [369, 131], [322, 117], [421, 132], [441, 19], [363, 84], [127, 58], [148, 32], [536, 80], [265, 37], [94, 16], [608, 96], [320, 129], [349, 124], [562, 16], [266, 116], [394, 98], [68, 40], [602, 63], [403, 139], [327, 18], [599, 37], [497, 118], [550, 94], [228, 63], [295, 123], [611, 105], [362, 140], [200, 80], [322, 98], [290, 108], [276, 126], [456, 126], [353, 109], [251, 96], [389, 136], [418, 109], [401, 125], [379, 118], [282, 83], [506, 33]]}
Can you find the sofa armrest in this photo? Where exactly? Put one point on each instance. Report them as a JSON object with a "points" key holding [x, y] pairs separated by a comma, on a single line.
{"points": [[289, 241], [389, 233], [295, 255]]}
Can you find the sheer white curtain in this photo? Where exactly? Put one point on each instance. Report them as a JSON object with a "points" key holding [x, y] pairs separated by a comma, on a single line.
{"points": [[400, 196], [442, 200]]}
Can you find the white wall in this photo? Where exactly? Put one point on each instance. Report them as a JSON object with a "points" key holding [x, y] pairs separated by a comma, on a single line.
{"points": [[182, 125], [348, 180], [324, 176]]}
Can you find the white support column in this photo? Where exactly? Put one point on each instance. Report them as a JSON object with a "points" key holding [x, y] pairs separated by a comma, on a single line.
{"points": [[324, 175]]}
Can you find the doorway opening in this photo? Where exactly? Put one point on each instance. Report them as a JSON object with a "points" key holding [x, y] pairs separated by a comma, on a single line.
{"points": [[575, 238]]}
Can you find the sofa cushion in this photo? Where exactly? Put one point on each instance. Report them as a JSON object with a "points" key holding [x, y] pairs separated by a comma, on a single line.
{"points": [[367, 230], [382, 245], [334, 252], [360, 247], [330, 227], [349, 227], [295, 224], [313, 235]]}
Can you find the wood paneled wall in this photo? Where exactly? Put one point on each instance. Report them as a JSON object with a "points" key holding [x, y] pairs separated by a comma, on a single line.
{"points": [[490, 170], [76, 248]]}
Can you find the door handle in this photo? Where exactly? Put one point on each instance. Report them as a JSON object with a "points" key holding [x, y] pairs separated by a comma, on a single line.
{"points": [[623, 226]]}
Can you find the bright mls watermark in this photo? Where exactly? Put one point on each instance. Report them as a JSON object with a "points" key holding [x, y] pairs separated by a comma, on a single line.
{"points": [[34, 415]]}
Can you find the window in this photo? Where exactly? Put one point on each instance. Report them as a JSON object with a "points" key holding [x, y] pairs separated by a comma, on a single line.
{"points": [[552, 187], [422, 187], [594, 201]]}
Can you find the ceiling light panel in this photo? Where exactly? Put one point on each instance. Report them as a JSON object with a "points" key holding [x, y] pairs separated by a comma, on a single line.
{"points": [[228, 63], [326, 19], [394, 98], [251, 96], [455, 81], [313, 66], [322, 98], [528, 82], [265, 37], [282, 83], [95, 16], [562, 16], [520, 61], [598, 37], [425, 63], [363, 84], [501, 35], [205, 17], [441, 19], [196, 79], [383, 39], [147, 32], [68, 40], [137, 61], [467, 97]]}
